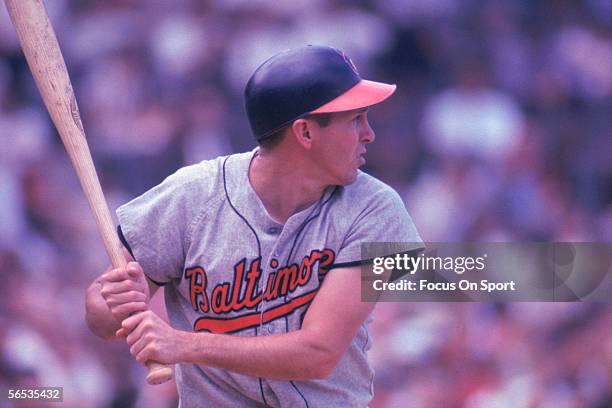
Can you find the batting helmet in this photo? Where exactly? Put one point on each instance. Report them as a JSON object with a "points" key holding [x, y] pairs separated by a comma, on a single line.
{"points": [[306, 80]]}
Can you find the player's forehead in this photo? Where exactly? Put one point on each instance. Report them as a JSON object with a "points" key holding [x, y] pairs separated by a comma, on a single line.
{"points": [[355, 111], [349, 113]]}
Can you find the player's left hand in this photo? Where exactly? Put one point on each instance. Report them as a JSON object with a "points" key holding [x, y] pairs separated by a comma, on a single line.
{"points": [[151, 338]]}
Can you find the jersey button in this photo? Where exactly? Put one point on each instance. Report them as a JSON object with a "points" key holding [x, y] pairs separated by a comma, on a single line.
{"points": [[273, 230]]}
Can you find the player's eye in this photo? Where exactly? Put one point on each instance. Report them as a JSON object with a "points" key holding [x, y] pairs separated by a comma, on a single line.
{"points": [[359, 117]]}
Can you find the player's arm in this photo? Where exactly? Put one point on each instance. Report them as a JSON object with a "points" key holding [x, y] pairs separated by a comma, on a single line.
{"points": [[309, 353], [115, 295]]}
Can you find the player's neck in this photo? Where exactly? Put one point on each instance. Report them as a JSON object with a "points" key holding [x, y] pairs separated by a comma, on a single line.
{"points": [[284, 186]]}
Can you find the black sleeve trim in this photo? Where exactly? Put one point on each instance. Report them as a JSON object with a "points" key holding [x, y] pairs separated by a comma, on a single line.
{"points": [[349, 264], [124, 241], [156, 282], [395, 275], [127, 246]]}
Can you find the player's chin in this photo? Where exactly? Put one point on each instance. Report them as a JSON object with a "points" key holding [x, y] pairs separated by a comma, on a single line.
{"points": [[349, 177]]}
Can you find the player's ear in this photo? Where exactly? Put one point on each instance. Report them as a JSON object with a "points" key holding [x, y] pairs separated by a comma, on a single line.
{"points": [[302, 131]]}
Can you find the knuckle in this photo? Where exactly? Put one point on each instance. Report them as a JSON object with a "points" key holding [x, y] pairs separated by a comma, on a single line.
{"points": [[130, 285], [112, 274], [144, 355], [136, 294]]}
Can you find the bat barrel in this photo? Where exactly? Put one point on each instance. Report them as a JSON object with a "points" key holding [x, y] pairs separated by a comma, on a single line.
{"points": [[46, 62]]}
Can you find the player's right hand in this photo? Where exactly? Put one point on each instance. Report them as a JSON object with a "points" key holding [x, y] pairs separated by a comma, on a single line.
{"points": [[125, 290]]}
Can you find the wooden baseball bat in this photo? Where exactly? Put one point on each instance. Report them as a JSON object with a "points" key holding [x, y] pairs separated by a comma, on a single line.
{"points": [[46, 62]]}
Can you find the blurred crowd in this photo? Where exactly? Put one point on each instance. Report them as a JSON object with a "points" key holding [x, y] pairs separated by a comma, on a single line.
{"points": [[500, 130]]}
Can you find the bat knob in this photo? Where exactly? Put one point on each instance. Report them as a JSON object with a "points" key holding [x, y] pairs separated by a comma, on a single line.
{"points": [[159, 373]]}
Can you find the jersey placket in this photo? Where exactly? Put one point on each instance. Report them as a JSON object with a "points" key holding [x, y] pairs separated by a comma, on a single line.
{"points": [[278, 230], [280, 249]]}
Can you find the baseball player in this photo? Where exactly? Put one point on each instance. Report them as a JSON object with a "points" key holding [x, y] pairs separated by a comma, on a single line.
{"points": [[260, 252]]}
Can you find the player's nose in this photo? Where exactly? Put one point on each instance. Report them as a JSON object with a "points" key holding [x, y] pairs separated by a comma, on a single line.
{"points": [[368, 135]]}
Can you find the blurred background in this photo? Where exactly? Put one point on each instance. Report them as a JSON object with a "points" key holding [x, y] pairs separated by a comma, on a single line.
{"points": [[500, 130]]}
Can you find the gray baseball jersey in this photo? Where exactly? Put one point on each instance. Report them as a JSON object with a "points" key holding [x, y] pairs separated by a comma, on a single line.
{"points": [[228, 267]]}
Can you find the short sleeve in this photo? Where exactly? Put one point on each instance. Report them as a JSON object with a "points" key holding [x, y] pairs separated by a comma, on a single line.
{"points": [[156, 224], [384, 220]]}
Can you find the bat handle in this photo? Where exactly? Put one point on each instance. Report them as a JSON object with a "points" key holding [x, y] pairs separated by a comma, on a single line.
{"points": [[158, 373]]}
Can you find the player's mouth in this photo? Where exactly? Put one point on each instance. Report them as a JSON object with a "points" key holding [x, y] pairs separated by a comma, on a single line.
{"points": [[361, 158]]}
